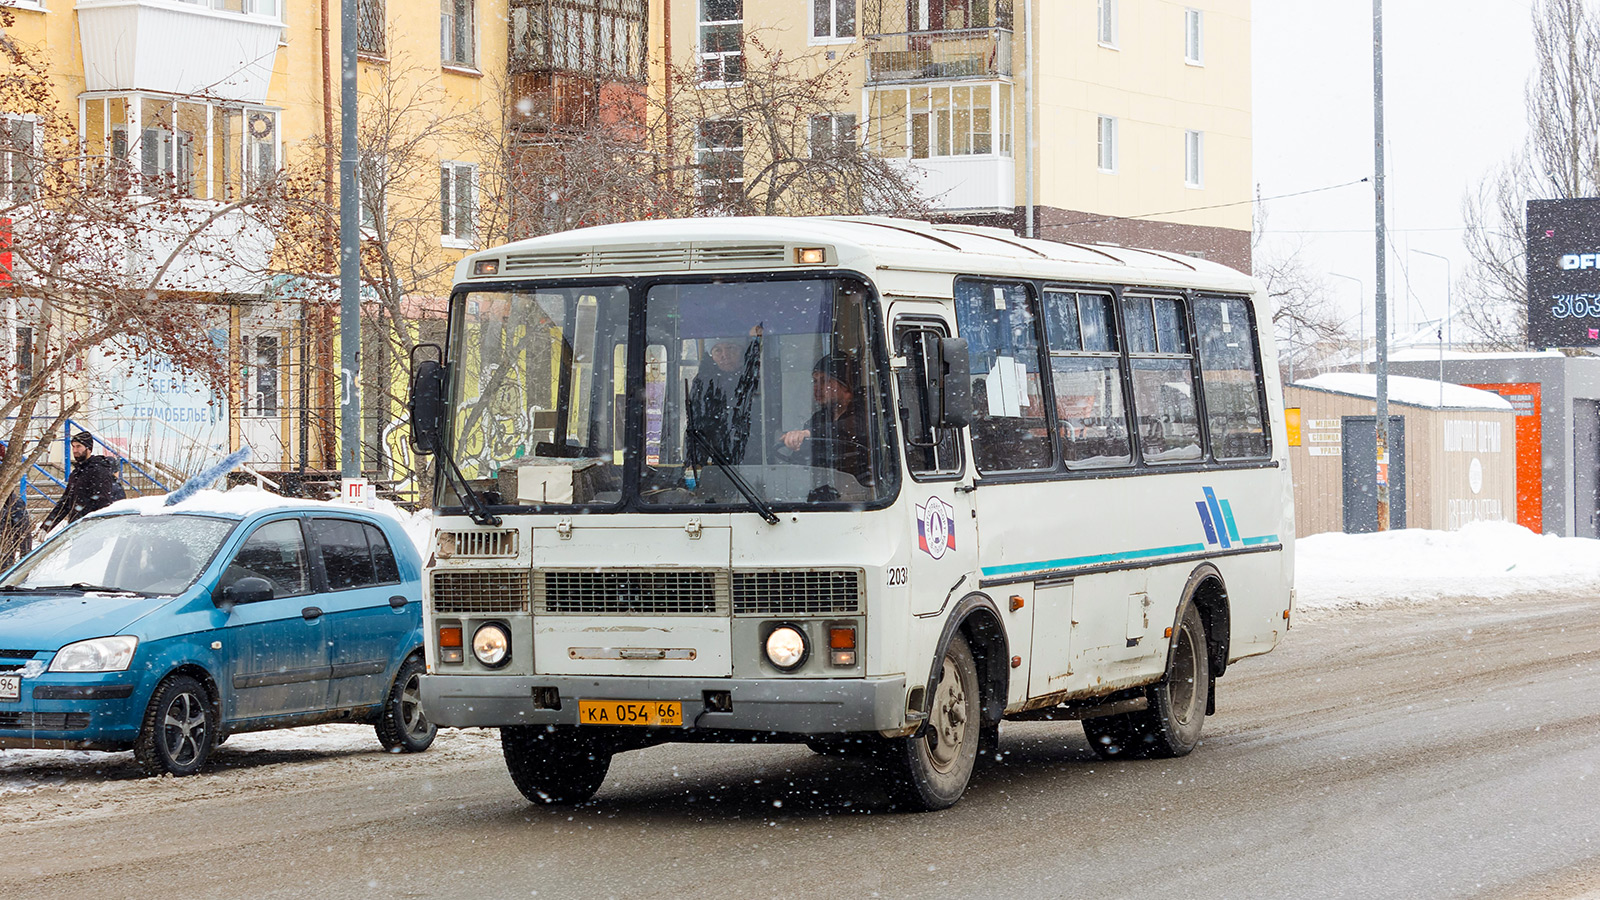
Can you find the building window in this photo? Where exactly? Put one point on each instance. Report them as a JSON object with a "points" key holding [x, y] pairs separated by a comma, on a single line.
{"points": [[1193, 159], [719, 155], [456, 44], [923, 123], [721, 41], [369, 26], [166, 159], [833, 19], [458, 202], [833, 135], [1107, 22], [1192, 36], [19, 148], [261, 385], [370, 172], [261, 146], [1108, 144]]}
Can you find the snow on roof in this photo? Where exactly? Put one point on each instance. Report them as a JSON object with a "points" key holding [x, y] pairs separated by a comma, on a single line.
{"points": [[1424, 354], [1423, 392], [247, 499]]}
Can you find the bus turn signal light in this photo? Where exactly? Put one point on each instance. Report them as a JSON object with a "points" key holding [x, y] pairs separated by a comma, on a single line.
{"points": [[450, 649], [842, 645], [810, 256]]}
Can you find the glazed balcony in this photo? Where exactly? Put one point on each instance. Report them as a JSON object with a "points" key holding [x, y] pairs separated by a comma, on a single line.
{"points": [[982, 53], [228, 47]]}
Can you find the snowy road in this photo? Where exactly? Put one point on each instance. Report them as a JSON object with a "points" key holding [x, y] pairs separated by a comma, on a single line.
{"points": [[1447, 749]]}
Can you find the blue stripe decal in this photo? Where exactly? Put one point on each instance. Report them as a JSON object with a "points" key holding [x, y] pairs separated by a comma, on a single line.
{"points": [[1227, 516], [1205, 520], [1256, 541], [1216, 513], [1097, 559]]}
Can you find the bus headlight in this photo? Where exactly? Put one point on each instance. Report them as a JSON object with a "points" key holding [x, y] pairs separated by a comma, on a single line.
{"points": [[492, 645], [786, 647]]}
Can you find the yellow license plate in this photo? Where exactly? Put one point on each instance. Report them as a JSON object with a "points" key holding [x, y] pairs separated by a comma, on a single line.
{"points": [[629, 712]]}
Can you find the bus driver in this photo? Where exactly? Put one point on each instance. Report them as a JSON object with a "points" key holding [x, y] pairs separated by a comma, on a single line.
{"points": [[838, 429]]}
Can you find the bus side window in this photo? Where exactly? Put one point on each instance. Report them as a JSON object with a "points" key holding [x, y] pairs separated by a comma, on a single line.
{"points": [[1231, 377], [927, 452], [1010, 431], [1085, 367], [1163, 379]]}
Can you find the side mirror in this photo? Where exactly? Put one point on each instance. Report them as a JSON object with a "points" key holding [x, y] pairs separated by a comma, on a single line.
{"points": [[247, 590], [427, 405], [952, 384]]}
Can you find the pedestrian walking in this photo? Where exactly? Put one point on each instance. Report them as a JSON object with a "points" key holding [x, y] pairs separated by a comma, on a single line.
{"points": [[92, 485], [16, 532]]}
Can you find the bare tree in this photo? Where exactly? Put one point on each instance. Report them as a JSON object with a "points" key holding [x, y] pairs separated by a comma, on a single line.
{"points": [[1311, 330], [1561, 160], [103, 261]]}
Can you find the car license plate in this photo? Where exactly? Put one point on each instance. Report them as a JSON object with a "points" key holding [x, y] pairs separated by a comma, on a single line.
{"points": [[629, 712], [10, 687]]}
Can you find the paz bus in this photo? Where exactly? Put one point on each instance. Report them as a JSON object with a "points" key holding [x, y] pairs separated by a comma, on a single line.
{"points": [[869, 484]]}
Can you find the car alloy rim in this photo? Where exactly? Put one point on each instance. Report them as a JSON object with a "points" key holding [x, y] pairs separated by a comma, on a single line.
{"points": [[185, 728], [411, 707]]}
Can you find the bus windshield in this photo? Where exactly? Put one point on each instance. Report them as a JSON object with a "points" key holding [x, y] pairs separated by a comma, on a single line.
{"points": [[764, 388]]}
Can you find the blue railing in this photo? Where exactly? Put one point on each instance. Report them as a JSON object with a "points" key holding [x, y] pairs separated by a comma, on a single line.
{"points": [[67, 430]]}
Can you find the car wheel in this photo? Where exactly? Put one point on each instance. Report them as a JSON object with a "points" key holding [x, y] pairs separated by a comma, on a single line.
{"points": [[555, 764], [403, 727], [179, 728], [930, 769], [1171, 725]]}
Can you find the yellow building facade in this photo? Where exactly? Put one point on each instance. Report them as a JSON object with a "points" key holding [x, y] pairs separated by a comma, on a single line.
{"points": [[1117, 121]]}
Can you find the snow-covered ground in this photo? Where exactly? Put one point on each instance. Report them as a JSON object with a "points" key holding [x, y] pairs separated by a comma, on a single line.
{"points": [[1338, 574]]}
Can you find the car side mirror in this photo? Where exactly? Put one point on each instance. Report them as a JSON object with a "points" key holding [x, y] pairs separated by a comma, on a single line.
{"points": [[251, 589], [427, 403], [952, 384]]}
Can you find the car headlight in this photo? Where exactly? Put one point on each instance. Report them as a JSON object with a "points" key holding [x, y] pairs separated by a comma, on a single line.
{"points": [[786, 647], [107, 654], [491, 645]]}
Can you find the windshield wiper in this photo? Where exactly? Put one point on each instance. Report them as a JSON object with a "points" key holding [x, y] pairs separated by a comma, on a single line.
{"points": [[83, 587], [733, 475], [470, 501]]}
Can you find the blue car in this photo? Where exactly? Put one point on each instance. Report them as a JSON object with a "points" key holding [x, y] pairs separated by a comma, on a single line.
{"points": [[166, 630]]}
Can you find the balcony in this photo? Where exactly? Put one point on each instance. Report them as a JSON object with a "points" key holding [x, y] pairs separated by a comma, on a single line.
{"points": [[133, 45], [965, 183], [983, 53]]}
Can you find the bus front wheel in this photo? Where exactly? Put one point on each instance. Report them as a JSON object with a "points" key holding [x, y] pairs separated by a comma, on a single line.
{"points": [[555, 765], [930, 769], [1171, 725]]}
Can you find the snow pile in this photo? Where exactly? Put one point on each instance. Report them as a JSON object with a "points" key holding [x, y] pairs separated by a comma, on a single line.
{"points": [[1484, 559], [1410, 391], [246, 499]]}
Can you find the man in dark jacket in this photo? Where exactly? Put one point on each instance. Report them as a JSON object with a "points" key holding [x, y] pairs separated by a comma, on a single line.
{"points": [[92, 485], [16, 532]]}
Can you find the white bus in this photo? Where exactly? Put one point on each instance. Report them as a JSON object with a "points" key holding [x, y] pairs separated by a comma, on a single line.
{"points": [[867, 483]]}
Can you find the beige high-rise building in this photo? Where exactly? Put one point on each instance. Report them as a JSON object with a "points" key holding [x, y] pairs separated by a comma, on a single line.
{"points": [[1117, 121]]}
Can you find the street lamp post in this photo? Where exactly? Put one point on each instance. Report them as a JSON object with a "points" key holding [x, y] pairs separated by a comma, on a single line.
{"points": [[1361, 316], [1447, 305]]}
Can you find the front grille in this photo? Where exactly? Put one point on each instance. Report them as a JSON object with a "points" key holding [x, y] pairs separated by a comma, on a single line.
{"points": [[44, 721], [799, 592], [478, 544], [482, 591], [615, 592]]}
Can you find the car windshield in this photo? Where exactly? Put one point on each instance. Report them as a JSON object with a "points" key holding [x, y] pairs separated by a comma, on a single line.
{"points": [[138, 554]]}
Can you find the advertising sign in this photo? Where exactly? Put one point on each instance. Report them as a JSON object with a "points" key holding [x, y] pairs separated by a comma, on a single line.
{"points": [[1564, 273]]}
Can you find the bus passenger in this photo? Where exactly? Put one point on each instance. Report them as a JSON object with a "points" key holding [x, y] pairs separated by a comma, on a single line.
{"points": [[838, 429]]}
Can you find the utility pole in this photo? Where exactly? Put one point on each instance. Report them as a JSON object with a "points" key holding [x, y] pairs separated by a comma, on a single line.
{"points": [[349, 254], [1380, 291]]}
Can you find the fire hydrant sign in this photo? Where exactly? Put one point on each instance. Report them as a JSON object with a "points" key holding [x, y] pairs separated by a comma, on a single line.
{"points": [[358, 492]]}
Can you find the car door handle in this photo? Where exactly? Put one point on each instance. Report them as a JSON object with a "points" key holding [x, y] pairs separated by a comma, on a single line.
{"points": [[398, 601], [310, 613]]}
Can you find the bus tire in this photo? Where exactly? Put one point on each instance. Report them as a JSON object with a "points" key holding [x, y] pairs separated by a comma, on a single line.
{"points": [[554, 765], [1171, 725], [930, 769]]}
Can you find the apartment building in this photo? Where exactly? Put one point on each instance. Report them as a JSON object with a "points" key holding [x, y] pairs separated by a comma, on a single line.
{"points": [[1117, 121]]}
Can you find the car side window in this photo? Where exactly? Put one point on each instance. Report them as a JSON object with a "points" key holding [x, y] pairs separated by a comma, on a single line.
{"points": [[384, 567], [275, 551], [354, 554]]}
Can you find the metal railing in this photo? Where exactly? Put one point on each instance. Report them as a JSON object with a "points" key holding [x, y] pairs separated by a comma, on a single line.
{"points": [[939, 55]]}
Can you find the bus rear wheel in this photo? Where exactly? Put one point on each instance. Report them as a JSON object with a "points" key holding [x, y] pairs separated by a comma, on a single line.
{"points": [[930, 769], [555, 765], [1171, 725]]}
